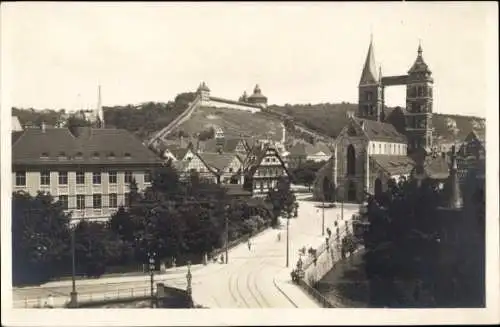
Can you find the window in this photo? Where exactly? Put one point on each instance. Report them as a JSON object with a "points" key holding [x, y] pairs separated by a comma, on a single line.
{"points": [[80, 177], [96, 177], [113, 200], [63, 178], [95, 155], [113, 177], [128, 177], [64, 201], [44, 155], [369, 96], [97, 201], [20, 178], [45, 178], [147, 176], [127, 155], [380, 148], [80, 201], [351, 160], [79, 155]]}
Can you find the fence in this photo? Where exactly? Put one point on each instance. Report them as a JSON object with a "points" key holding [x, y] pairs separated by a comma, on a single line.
{"points": [[86, 299]]}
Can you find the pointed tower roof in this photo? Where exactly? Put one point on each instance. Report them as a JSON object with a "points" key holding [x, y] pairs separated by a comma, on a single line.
{"points": [[419, 66], [369, 74]]}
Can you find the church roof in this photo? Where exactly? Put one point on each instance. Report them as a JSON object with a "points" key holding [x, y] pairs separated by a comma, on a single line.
{"points": [[394, 165], [369, 74], [229, 145], [257, 93], [203, 87], [419, 66], [380, 131]]}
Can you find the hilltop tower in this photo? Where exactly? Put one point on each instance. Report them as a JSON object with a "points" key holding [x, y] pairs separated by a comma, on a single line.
{"points": [[419, 105], [370, 99], [203, 92], [99, 114], [257, 97]]}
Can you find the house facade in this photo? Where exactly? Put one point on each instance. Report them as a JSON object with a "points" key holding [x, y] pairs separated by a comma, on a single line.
{"points": [[263, 169], [88, 170]]}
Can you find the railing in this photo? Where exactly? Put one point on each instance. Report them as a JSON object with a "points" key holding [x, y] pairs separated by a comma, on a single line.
{"points": [[323, 301], [90, 298]]}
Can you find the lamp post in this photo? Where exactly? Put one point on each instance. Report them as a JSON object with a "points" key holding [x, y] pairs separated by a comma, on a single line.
{"points": [[323, 217], [151, 271], [189, 277], [227, 231], [73, 295], [287, 238]]}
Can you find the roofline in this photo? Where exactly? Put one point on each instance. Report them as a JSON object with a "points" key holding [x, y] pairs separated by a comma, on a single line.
{"points": [[235, 102], [75, 165]]}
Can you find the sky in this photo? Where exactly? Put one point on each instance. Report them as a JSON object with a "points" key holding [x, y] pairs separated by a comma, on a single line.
{"points": [[58, 53]]}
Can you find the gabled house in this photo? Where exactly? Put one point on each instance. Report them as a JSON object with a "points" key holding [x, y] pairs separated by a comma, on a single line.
{"points": [[215, 167], [303, 151], [263, 168], [226, 167]]}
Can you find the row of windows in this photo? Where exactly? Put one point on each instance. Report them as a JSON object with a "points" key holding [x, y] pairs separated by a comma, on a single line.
{"points": [[388, 148], [416, 107], [79, 155], [80, 177], [420, 91], [269, 171], [97, 202]]}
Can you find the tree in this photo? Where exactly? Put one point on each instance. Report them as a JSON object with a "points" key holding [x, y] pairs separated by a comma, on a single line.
{"points": [[40, 238], [282, 199], [400, 242], [97, 247]]}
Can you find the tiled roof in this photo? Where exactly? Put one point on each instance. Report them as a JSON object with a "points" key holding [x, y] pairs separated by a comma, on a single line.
{"points": [[260, 153], [92, 147], [228, 146], [379, 131], [306, 149], [394, 165], [218, 161], [180, 165]]}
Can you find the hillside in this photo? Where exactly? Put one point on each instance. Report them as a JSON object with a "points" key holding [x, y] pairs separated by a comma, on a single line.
{"points": [[330, 118], [326, 119], [233, 122]]}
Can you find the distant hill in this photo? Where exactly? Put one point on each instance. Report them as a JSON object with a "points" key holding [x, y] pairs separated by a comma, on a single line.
{"points": [[330, 118], [325, 119]]}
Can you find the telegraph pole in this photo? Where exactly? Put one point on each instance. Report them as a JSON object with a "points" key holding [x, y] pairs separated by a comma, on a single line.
{"points": [[227, 234], [323, 217], [287, 239], [73, 294]]}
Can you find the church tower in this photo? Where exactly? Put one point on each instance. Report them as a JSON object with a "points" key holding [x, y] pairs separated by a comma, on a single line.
{"points": [[419, 105], [370, 102]]}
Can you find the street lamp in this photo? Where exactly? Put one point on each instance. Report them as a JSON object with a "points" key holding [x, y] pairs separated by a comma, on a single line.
{"points": [[287, 238], [151, 271], [323, 217], [189, 277], [73, 295], [227, 231]]}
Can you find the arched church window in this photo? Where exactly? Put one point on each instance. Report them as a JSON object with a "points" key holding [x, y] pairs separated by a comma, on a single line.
{"points": [[368, 95], [420, 91], [351, 160]]}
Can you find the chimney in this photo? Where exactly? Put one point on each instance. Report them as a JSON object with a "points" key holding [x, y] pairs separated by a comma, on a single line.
{"points": [[42, 127], [181, 143]]}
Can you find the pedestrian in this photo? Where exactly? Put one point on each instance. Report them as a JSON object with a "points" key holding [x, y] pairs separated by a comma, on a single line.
{"points": [[249, 245], [221, 258], [279, 236]]}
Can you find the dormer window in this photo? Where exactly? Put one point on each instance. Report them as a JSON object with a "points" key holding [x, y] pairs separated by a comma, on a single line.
{"points": [[95, 155], [127, 155], [44, 155], [111, 155], [79, 155], [62, 155]]}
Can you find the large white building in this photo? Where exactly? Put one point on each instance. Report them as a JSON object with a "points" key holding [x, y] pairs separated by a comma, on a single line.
{"points": [[89, 170]]}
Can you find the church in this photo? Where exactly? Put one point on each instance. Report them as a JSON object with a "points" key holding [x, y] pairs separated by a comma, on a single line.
{"points": [[374, 147]]}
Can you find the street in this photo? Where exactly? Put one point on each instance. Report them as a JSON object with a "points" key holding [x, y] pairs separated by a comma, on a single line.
{"points": [[255, 278]]}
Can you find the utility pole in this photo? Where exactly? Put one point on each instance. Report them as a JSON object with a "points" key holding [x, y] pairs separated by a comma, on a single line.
{"points": [[73, 294], [227, 233], [287, 239], [323, 218]]}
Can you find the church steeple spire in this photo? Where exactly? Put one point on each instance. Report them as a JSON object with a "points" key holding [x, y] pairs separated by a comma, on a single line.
{"points": [[369, 74]]}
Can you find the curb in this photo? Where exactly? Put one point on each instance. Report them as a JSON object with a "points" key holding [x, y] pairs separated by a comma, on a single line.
{"points": [[283, 292]]}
